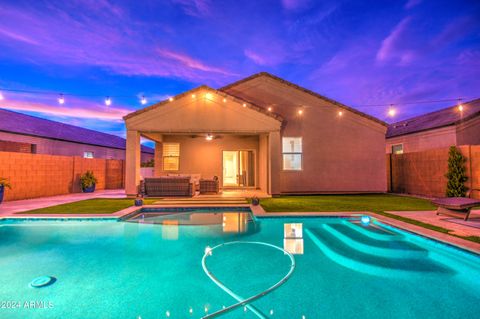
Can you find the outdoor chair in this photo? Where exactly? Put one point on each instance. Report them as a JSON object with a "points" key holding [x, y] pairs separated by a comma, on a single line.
{"points": [[209, 186], [455, 206]]}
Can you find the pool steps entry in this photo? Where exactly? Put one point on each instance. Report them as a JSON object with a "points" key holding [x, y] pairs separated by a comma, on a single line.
{"points": [[373, 250]]}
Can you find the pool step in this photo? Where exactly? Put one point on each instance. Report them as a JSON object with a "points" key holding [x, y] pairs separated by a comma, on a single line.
{"points": [[393, 248], [353, 259], [373, 231]]}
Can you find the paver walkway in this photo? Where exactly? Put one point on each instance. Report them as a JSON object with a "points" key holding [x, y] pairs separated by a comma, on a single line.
{"points": [[8, 208], [457, 225]]}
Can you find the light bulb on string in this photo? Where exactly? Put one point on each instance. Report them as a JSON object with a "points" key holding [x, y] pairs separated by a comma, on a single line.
{"points": [[108, 101], [61, 99], [460, 105], [391, 111], [143, 100]]}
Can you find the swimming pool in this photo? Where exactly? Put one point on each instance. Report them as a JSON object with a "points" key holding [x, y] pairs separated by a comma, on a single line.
{"points": [[150, 266]]}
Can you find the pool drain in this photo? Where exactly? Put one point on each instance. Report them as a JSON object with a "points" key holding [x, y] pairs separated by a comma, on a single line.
{"points": [[42, 281], [240, 300]]}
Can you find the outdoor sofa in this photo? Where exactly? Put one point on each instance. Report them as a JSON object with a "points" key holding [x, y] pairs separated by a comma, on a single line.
{"points": [[168, 186]]}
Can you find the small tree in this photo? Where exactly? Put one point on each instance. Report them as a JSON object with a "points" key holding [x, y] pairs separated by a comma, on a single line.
{"points": [[456, 174]]}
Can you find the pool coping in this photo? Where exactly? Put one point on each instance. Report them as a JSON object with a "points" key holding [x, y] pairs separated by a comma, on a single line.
{"points": [[258, 211]]}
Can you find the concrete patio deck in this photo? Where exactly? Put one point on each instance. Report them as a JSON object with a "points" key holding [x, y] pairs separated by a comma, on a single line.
{"points": [[457, 225], [17, 206]]}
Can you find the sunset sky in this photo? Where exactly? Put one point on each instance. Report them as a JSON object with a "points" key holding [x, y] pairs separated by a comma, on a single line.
{"points": [[361, 53]]}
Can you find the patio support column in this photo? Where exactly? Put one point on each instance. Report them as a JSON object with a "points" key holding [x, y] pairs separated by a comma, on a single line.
{"points": [[274, 159], [132, 163], [158, 168], [263, 162]]}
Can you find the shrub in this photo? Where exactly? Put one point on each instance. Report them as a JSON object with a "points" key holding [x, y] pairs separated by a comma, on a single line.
{"points": [[5, 183], [456, 174], [150, 163], [88, 179]]}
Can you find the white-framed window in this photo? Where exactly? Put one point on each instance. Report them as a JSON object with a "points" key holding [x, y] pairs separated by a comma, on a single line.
{"points": [[88, 154], [171, 156], [397, 149], [292, 153]]}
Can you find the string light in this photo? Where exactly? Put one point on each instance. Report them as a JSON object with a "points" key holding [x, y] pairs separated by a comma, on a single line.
{"points": [[391, 111], [300, 112], [143, 100], [108, 101], [340, 113], [244, 105], [208, 96], [460, 105], [193, 96], [269, 109], [224, 100], [61, 99], [171, 99]]}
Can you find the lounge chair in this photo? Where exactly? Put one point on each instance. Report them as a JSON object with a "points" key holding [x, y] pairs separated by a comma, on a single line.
{"points": [[455, 206]]}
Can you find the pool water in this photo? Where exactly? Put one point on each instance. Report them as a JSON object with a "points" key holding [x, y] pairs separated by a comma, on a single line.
{"points": [[150, 266]]}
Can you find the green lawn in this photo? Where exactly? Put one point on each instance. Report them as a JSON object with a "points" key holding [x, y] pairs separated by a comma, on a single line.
{"points": [[88, 206], [344, 203]]}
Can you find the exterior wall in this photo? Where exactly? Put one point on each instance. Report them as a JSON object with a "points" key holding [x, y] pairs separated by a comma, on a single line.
{"points": [[36, 175], [199, 156], [9, 146], [340, 153], [54, 147], [421, 141], [468, 133], [423, 173]]}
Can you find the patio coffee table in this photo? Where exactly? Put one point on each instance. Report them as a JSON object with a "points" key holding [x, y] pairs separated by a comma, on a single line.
{"points": [[455, 206]]}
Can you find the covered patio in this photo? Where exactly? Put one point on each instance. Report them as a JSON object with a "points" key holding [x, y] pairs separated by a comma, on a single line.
{"points": [[205, 133]]}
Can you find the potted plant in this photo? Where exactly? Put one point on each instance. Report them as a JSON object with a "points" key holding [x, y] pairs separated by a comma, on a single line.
{"points": [[88, 181], [3, 184]]}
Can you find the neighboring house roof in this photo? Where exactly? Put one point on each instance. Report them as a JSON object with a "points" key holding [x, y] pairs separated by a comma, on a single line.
{"points": [[19, 123], [207, 88], [444, 117], [297, 87]]}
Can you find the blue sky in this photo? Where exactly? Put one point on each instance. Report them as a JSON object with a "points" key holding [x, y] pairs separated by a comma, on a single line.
{"points": [[360, 53]]}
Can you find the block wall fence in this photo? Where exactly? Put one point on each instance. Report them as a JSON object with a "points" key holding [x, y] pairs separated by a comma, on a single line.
{"points": [[38, 175], [423, 173]]}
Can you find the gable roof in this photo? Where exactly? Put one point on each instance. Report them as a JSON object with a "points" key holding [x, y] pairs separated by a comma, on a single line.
{"points": [[441, 118], [19, 123], [297, 87], [207, 88]]}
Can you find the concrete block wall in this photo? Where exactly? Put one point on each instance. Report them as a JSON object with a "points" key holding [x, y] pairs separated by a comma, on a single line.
{"points": [[39, 175], [423, 173]]}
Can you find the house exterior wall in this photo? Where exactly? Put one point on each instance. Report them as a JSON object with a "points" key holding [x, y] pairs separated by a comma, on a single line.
{"points": [[199, 156], [340, 153], [468, 133], [56, 147], [420, 141]]}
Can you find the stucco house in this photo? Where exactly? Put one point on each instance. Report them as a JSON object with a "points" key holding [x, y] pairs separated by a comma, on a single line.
{"points": [[261, 132], [30, 134], [455, 125]]}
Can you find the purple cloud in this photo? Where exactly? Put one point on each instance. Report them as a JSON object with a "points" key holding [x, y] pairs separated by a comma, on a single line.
{"points": [[105, 37], [392, 47]]}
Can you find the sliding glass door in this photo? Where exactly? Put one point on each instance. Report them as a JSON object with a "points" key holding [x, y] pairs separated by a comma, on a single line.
{"points": [[238, 169]]}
